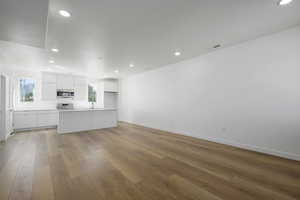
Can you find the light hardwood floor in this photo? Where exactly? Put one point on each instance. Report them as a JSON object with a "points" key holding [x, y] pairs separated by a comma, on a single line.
{"points": [[136, 163]]}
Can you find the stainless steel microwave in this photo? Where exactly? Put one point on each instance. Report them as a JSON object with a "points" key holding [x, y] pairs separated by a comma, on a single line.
{"points": [[65, 94]]}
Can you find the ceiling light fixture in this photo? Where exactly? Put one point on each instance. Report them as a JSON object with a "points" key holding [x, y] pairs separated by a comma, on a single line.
{"points": [[131, 65], [116, 71], [64, 13], [177, 53], [284, 2], [55, 50], [51, 61]]}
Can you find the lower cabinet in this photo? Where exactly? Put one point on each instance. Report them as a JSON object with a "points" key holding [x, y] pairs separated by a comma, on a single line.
{"points": [[24, 120], [47, 119], [76, 121], [35, 119]]}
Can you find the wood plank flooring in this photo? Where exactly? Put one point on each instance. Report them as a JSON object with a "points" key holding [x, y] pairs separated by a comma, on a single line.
{"points": [[136, 163]]}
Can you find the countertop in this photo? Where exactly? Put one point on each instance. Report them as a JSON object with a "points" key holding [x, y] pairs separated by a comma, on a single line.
{"points": [[86, 109], [66, 110], [34, 110]]}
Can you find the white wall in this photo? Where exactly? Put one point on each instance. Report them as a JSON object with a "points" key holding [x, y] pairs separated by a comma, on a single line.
{"points": [[247, 95]]}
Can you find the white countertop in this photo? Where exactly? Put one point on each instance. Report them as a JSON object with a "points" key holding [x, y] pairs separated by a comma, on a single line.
{"points": [[33, 110], [86, 109], [66, 110]]}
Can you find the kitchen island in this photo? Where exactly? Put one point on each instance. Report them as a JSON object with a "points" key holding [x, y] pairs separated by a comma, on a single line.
{"points": [[77, 120]]}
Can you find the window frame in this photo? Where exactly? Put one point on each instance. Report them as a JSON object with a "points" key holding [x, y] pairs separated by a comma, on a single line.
{"points": [[94, 89], [19, 90]]}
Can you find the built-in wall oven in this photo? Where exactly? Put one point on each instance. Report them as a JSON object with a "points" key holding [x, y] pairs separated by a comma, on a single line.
{"points": [[65, 94], [65, 106]]}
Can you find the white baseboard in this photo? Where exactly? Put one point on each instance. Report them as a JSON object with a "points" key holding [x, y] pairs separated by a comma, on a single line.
{"points": [[273, 152], [253, 148], [34, 128]]}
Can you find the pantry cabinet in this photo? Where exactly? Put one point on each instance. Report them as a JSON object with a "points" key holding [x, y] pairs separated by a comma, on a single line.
{"points": [[80, 88], [48, 88]]}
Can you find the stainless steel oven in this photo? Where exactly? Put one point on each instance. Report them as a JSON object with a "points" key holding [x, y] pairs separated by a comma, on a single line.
{"points": [[65, 94], [65, 106]]}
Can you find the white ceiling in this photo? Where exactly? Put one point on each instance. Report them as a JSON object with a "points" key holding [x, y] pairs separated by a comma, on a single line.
{"points": [[24, 21], [142, 32]]}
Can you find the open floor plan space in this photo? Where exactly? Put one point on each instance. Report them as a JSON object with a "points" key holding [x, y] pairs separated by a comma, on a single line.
{"points": [[149, 100], [132, 162]]}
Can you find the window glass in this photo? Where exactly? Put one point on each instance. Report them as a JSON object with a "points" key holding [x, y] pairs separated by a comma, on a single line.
{"points": [[92, 93], [27, 87]]}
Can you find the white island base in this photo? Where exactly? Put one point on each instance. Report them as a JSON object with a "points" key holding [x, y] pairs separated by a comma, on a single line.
{"points": [[86, 119]]}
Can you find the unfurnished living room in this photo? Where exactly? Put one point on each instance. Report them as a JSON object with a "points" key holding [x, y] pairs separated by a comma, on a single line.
{"points": [[149, 100]]}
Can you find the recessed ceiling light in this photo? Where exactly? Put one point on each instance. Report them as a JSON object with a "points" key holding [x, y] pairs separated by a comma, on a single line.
{"points": [[116, 71], [64, 13], [284, 2], [51, 61], [131, 65], [55, 50], [177, 53]]}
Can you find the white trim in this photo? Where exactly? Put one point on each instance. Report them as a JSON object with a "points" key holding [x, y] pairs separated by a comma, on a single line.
{"points": [[253, 148], [9, 135], [237, 144], [2, 109], [34, 128]]}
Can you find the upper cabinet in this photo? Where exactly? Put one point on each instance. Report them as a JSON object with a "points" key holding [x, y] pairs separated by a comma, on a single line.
{"points": [[78, 80], [49, 78], [51, 82], [110, 85], [48, 87], [64, 82], [80, 88], [48, 91]]}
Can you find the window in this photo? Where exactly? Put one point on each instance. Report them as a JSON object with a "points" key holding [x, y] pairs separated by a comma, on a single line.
{"points": [[92, 93], [27, 87]]}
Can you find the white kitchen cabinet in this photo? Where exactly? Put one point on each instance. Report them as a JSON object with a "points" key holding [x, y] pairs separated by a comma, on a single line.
{"points": [[80, 88], [65, 82], [49, 78], [110, 85], [48, 88], [48, 91], [24, 120], [47, 118], [35, 119], [78, 80], [80, 93], [84, 120]]}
